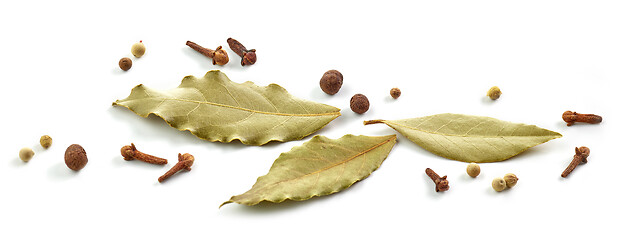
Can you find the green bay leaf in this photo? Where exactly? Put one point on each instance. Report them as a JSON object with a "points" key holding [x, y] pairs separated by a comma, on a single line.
{"points": [[470, 138], [216, 109], [321, 166]]}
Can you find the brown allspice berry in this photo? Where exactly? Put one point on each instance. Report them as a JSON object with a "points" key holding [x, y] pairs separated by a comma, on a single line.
{"points": [[572, 117], [441, 184], [359, 103], [580, 157], [219, 56], [510, 179], [248, 55], [331, 82], [75, 157], [473, 169], [45, 141], [184, 162], [395, 93], [125, 63], [494, 93], [129, 152]]}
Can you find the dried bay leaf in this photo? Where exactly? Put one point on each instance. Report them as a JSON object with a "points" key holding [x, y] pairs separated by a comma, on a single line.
{"points": [[321, 166], [470, 138], [216, 109]]}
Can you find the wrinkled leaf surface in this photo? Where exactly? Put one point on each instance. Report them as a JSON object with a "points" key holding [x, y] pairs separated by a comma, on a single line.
{"points": [[470, 138], [216, 109], [319, 167]]}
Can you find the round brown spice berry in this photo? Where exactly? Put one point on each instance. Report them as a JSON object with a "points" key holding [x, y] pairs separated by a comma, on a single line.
{"points": [[494, 93], [45, 141], [125, 64], [395, 92], [359, 103], [75, 157], [331, 82]]}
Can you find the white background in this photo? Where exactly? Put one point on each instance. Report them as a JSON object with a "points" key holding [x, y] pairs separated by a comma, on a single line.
{"points": [[59, 73]]}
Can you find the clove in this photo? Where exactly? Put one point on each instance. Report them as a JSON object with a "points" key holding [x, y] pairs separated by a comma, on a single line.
{"points": [[441, 184], [580, 157], [129, 152], [573, 117], [248, 56], [219, 56], [184, 162]]}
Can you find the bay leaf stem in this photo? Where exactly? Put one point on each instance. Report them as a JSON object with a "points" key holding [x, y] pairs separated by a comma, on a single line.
{"points": [[373, 121]]}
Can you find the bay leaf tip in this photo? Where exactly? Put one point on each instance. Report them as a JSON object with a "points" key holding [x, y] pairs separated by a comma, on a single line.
{"points": [[226, 202]]}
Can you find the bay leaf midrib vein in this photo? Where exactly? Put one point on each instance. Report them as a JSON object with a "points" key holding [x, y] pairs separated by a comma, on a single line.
{"points": [[331, 166], [454, 135], [255, 111]]}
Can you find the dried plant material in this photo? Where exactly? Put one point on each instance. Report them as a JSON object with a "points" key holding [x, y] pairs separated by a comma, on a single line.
{"points": [[473, 170], [216, 109], [26, 154], [138, 49], [359, 103], [395, 93], [510, 179], [331, 82], [573, 117], [441, 184], [125, 63], [319, 167], [248, 55], [580, 157], [494, 93], [45, 141], [470, 138], [499, 184], [184, 162], [130, 152], [75, 157]]}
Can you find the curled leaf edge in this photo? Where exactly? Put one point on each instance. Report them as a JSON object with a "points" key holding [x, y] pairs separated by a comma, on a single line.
{"points": [[338, 114]]}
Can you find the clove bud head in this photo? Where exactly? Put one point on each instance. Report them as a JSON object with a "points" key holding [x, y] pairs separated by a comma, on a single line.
{"points": [[442, 186], [220, 56], [127, 152], [249, 58], [584, 152]]}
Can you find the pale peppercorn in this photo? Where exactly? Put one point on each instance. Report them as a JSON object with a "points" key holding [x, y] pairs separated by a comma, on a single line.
{"points": [[138, 49], [494, 93], [45, 141], [26, 154], [125, 63], [510, 179], [359, 103], [498, 184], [473, 170]]}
